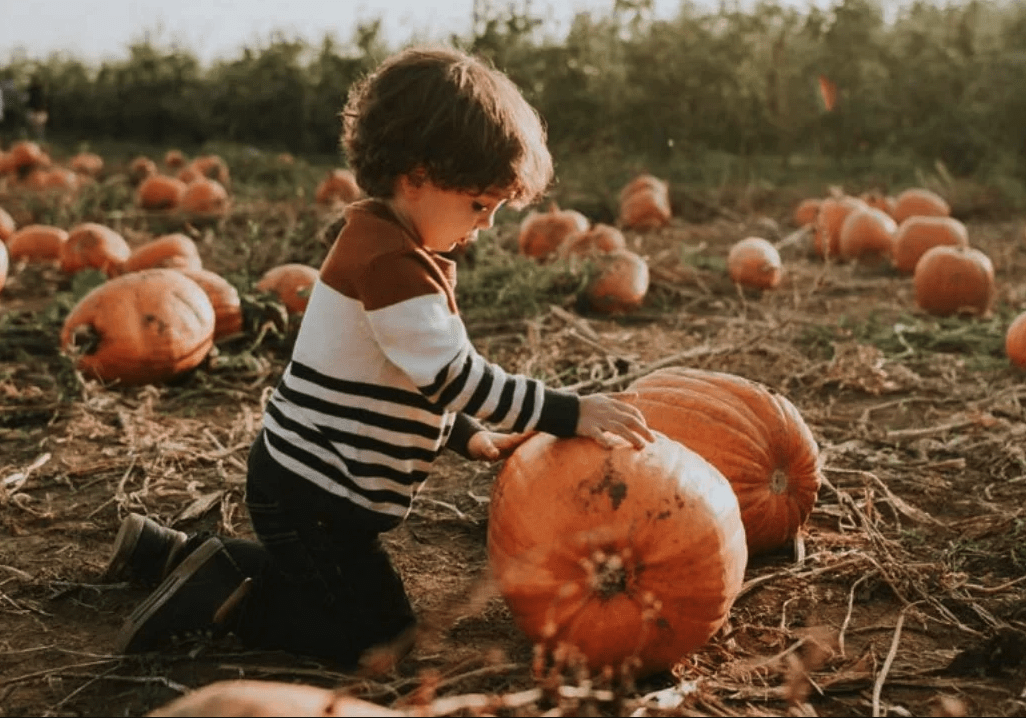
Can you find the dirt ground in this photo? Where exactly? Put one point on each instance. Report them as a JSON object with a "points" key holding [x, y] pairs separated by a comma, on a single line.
{"points": [[906, 594]]}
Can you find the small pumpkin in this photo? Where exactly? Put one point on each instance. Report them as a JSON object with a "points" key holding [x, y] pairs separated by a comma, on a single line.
{"points": [[1015, 341], [87, 163], [644, 183], [542, 233], [620, 282], [806, 211], [242, 697], [95, 246], [754, 262], [755, 437], [645, 209], [338, 186], [171, 251], [950, 280], [160, 192], [140, 328], [919, 202], [37, 243], [212, 167], [174, 159], [140, 168], [598, 238], [225, 298], [921, 232], [626, 554], [292, 283], [832, 213], [204, 196], [7, 225], [867, 234]]}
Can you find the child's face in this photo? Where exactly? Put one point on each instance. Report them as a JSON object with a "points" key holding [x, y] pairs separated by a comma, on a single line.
{"points": [[445, 219]]}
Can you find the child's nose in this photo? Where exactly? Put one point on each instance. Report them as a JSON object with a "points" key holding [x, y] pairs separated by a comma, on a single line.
{"points": [[487, 221]]}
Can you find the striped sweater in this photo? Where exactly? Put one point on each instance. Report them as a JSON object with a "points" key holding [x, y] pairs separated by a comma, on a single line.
{"points": [[383, 376]]}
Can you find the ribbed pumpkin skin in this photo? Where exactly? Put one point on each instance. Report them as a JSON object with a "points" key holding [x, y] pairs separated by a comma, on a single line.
{"points": [[754, 262], [292, 283], [919, 233], [756, 438], [151, 325], [224, 297], [953, 279], [93, 246], [171, 251], [36, 243], [1015, 341], [663, 512]]}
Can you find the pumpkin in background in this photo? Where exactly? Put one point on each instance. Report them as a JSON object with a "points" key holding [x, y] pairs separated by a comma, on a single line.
{"points": [[1015, 341], [644, 182], [646, 207], [919, 202], [598, 238], [754, 262], [806, 212], [919, 233], [542, 233], [867, 234], [755, 437], [140, 168], [4, 265], [832, 213], [339, 186], [204, 196], [36, 243], [243, 697], [620, 282], [879, 200], [188, 174], [223, 296], [212, 167], [292, 283], [159, 192], [53, 179], [622, 553], [171, 251], [7, 225], [26, 154], [140, 328], [950, 280], [93, 246], [87, 163], [174, 160]]}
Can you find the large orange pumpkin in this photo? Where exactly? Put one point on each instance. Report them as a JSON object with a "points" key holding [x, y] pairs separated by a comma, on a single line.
{"points": [[620, 283], [160, 192], [172, 251], [949, 280], [754, 262], [93, 246], [806, 212], [269, 698], [542, 233], [37, 243], [919, 202], [921, 232], [339, 186], [204, 196], [625, 554], [832, 213], [755, 437], [867, 234], [1015, 341], [225, 298], [140, 328], [292, 283], [7, 225]]}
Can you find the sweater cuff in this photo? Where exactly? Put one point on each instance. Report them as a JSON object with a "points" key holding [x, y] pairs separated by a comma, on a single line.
{"points": [[463, 428], [559, 413]]}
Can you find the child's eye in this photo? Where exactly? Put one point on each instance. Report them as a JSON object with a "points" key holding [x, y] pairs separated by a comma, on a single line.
{"points": [[478, 207]]}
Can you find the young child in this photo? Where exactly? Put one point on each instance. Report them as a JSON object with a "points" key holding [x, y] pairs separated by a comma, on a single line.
{"points": [[382, 379]]}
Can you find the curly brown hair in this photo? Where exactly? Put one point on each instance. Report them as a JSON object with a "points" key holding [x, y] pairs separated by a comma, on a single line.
{"points": [[448, 114]]}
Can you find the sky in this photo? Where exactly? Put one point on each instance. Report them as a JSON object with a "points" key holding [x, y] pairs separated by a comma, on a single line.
{"points": [[96, 30]]}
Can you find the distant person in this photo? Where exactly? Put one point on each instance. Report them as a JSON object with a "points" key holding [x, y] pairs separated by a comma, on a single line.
{"points": [[38, 108]]}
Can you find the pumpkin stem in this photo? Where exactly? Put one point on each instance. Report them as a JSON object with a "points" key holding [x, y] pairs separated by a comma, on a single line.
{"points": [[85, 339], [778, 481], [608, 574]]}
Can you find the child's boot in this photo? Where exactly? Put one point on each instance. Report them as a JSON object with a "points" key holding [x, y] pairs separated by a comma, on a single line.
{"points": [[144, 551]]}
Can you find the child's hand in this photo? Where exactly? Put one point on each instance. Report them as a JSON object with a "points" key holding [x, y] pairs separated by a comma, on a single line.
{"points": [[492, 445], [601, 413]]}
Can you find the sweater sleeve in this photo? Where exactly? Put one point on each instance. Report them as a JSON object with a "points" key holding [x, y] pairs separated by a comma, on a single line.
{"points": [[420, 332]]}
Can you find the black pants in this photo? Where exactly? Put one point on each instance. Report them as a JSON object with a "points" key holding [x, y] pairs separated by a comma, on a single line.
{"points": [[323, 585]]}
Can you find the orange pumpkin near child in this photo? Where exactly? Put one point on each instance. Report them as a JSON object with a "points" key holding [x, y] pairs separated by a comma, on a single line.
{"points": [[36, 243], [625, 554], [755, 437], [754, 262], [1015, 341], [93, 246], [919, 233], [542, 233], [140, 328], [292, 283], [949, 280]]}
